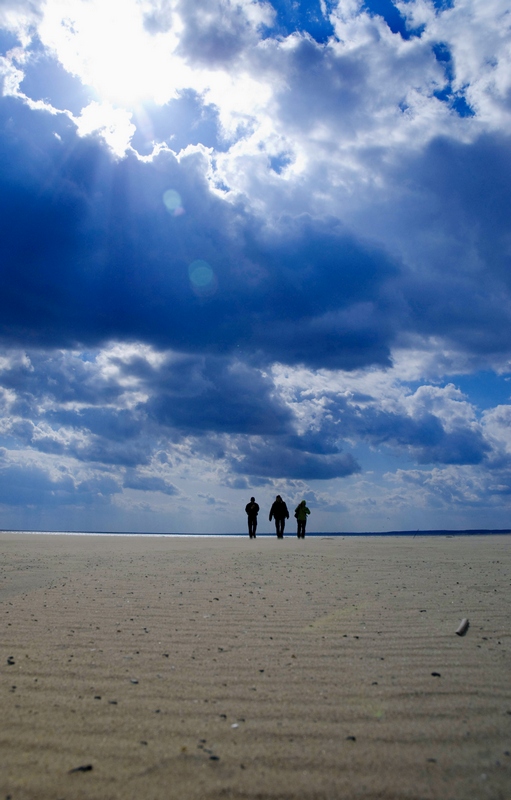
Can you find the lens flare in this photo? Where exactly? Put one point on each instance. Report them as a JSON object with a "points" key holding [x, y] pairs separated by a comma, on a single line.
{"points": [[173, 203], [202, 278]]}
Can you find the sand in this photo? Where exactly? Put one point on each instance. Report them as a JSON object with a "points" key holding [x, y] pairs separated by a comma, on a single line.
{"points": [[162, 668]]}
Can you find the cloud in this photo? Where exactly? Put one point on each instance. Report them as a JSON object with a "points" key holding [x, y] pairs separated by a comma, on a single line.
{"points": [[276, 460], [158, 16], [149, 483], [216, 32], [19, 14], [31, 486], [215, 394], [261, 251], [115, 265]]}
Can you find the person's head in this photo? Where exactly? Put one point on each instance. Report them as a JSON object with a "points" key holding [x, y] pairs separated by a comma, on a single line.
{"points": [[278, 497], [302, 503], [252, 499]]}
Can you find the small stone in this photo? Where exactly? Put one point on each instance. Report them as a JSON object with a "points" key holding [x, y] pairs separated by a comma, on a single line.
{"points": [[84, 768], [436, 675]]}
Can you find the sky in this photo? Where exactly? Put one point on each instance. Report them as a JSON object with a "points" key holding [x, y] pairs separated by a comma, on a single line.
{"points": [[252, 248]]}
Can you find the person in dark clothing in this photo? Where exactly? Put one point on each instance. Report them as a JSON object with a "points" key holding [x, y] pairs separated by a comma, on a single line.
{"points": [[301, 512], [252, 510], [280, 513]]}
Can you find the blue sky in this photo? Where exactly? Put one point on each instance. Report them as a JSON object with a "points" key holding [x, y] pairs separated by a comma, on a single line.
{"points": [[252, 248]]}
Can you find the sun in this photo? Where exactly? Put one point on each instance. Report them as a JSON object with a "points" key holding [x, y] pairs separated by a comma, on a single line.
{"points": [[105, 44]]}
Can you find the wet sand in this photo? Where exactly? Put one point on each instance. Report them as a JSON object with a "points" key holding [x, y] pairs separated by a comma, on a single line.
{"points": [[161, 668]]}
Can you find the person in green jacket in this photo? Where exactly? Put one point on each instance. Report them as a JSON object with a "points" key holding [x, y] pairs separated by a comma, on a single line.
{"points": [[301, 512]]}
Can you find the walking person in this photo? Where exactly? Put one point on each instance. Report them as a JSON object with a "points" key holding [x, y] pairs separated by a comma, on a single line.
{"points": [[280, 513], [252, 510], [301, 512]]}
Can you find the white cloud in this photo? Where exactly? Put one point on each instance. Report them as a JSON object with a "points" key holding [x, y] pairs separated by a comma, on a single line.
{"points": [[20, 16], [497, 425], [477, 35], [106, 45], [325, 106], [113, 124]]}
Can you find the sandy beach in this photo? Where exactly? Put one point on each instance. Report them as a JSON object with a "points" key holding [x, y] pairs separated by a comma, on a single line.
{"points": [[156, 668]]}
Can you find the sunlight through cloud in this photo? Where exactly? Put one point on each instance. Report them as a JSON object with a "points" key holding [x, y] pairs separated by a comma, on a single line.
{"points": [[107, 46]]}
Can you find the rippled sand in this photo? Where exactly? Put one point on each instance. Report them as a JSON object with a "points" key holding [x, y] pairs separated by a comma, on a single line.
{"points": [[153, 668]]}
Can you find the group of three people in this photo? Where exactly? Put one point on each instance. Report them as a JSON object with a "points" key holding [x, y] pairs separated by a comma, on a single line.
{"points": [[279, 513]]}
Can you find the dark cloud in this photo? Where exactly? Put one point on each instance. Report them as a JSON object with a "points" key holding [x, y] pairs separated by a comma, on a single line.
{"points": [[32, 486], [463, 446], [91, 253], [462, 288], [148, 483], [427, 437], [56, 375], [213, 394], [323, 85], [97, 450], [215, 32], [274, 459], [114, 424], [474, 184]]}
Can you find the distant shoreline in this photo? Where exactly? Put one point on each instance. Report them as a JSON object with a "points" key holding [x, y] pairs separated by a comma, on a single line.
{"points": [[290, 534]]}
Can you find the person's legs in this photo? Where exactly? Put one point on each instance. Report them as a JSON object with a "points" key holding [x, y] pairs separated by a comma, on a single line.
{"points": [[279, 527], [252, 525], [301, 529]]}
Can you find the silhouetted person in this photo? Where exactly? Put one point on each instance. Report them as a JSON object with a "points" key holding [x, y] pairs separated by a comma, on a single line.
{"points": [[252, 510], [301, 512], [280, 513]]}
